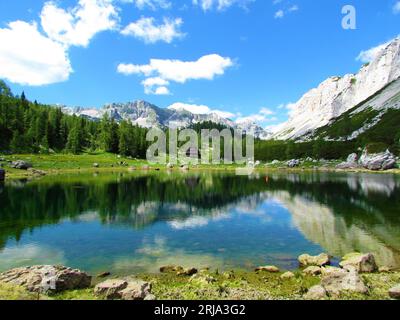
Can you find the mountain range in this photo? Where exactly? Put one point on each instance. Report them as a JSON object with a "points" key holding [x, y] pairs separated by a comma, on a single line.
{"points": [[365, 96], [147, 115]]}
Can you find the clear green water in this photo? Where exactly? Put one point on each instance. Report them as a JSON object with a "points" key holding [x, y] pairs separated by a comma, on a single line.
{"points": [[128, 223]]}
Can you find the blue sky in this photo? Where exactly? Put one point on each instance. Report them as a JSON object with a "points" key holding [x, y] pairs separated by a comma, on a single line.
{"points": [[245, 58]]}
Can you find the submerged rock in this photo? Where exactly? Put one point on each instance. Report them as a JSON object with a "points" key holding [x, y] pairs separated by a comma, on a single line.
{"points": [[378, 161], [316, 293], [361, 262], [321, 260], [47, 279]]}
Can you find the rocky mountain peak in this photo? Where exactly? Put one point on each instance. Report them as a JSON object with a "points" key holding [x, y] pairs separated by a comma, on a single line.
{"points": [[337, 95]]}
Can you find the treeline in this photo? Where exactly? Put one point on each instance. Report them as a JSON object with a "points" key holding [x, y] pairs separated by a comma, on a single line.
{"points": [[29, 127]]}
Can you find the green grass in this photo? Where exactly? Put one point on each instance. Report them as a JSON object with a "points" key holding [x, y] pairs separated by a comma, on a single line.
{"points": [[240, 285]]}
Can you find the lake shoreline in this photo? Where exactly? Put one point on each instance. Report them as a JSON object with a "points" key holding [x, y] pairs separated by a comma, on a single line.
{"points": [[264, 283], [59, 164]]}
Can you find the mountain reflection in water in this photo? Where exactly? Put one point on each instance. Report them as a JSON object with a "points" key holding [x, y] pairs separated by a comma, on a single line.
{"points": [[139, 221]]}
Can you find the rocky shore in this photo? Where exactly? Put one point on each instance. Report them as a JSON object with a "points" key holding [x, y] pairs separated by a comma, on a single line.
{"points": [[357, 277]]}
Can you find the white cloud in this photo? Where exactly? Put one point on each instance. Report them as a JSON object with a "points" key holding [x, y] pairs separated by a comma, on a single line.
{"points": [[156, 85], [146, 30], [370, 54], [29, 58], [207, 67], [396, 8], [77, 26], [220, 4], [151, 4], [34, 58], [261, 117], [279, 14], [200, 109]]}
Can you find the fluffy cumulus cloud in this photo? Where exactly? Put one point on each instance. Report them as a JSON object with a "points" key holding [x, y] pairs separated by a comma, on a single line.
{"points": [[200, 109], [37, 58], [30, 58], [220, 4], [77, 26], [147, 30], [370, 54], [207, 67]]}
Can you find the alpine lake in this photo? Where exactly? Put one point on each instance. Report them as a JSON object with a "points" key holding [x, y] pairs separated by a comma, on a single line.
{"points": [[127, 223]]}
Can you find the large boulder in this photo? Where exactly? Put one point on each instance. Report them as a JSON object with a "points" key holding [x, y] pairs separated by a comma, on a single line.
{"points": [[361, 262], [110, 289], [136, 290], [47, 279], [342, 280], [116, 289], [305, 260], [377, 161], [20, 164], [293, 163], [350, 163]]}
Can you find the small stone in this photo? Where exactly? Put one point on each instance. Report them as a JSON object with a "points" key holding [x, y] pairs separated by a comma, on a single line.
{"points": [[146, 167], [229, 275], [287, 275], [187, 272], [96, 165], [104, 275], [312, 271], [170, 269], [271, 269], [316, 293], [202, 279], [321, 260], [170, 166], [361, 262], [384, 269], [328, 270], [150, 297], [110, 289], [394, 292]]}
